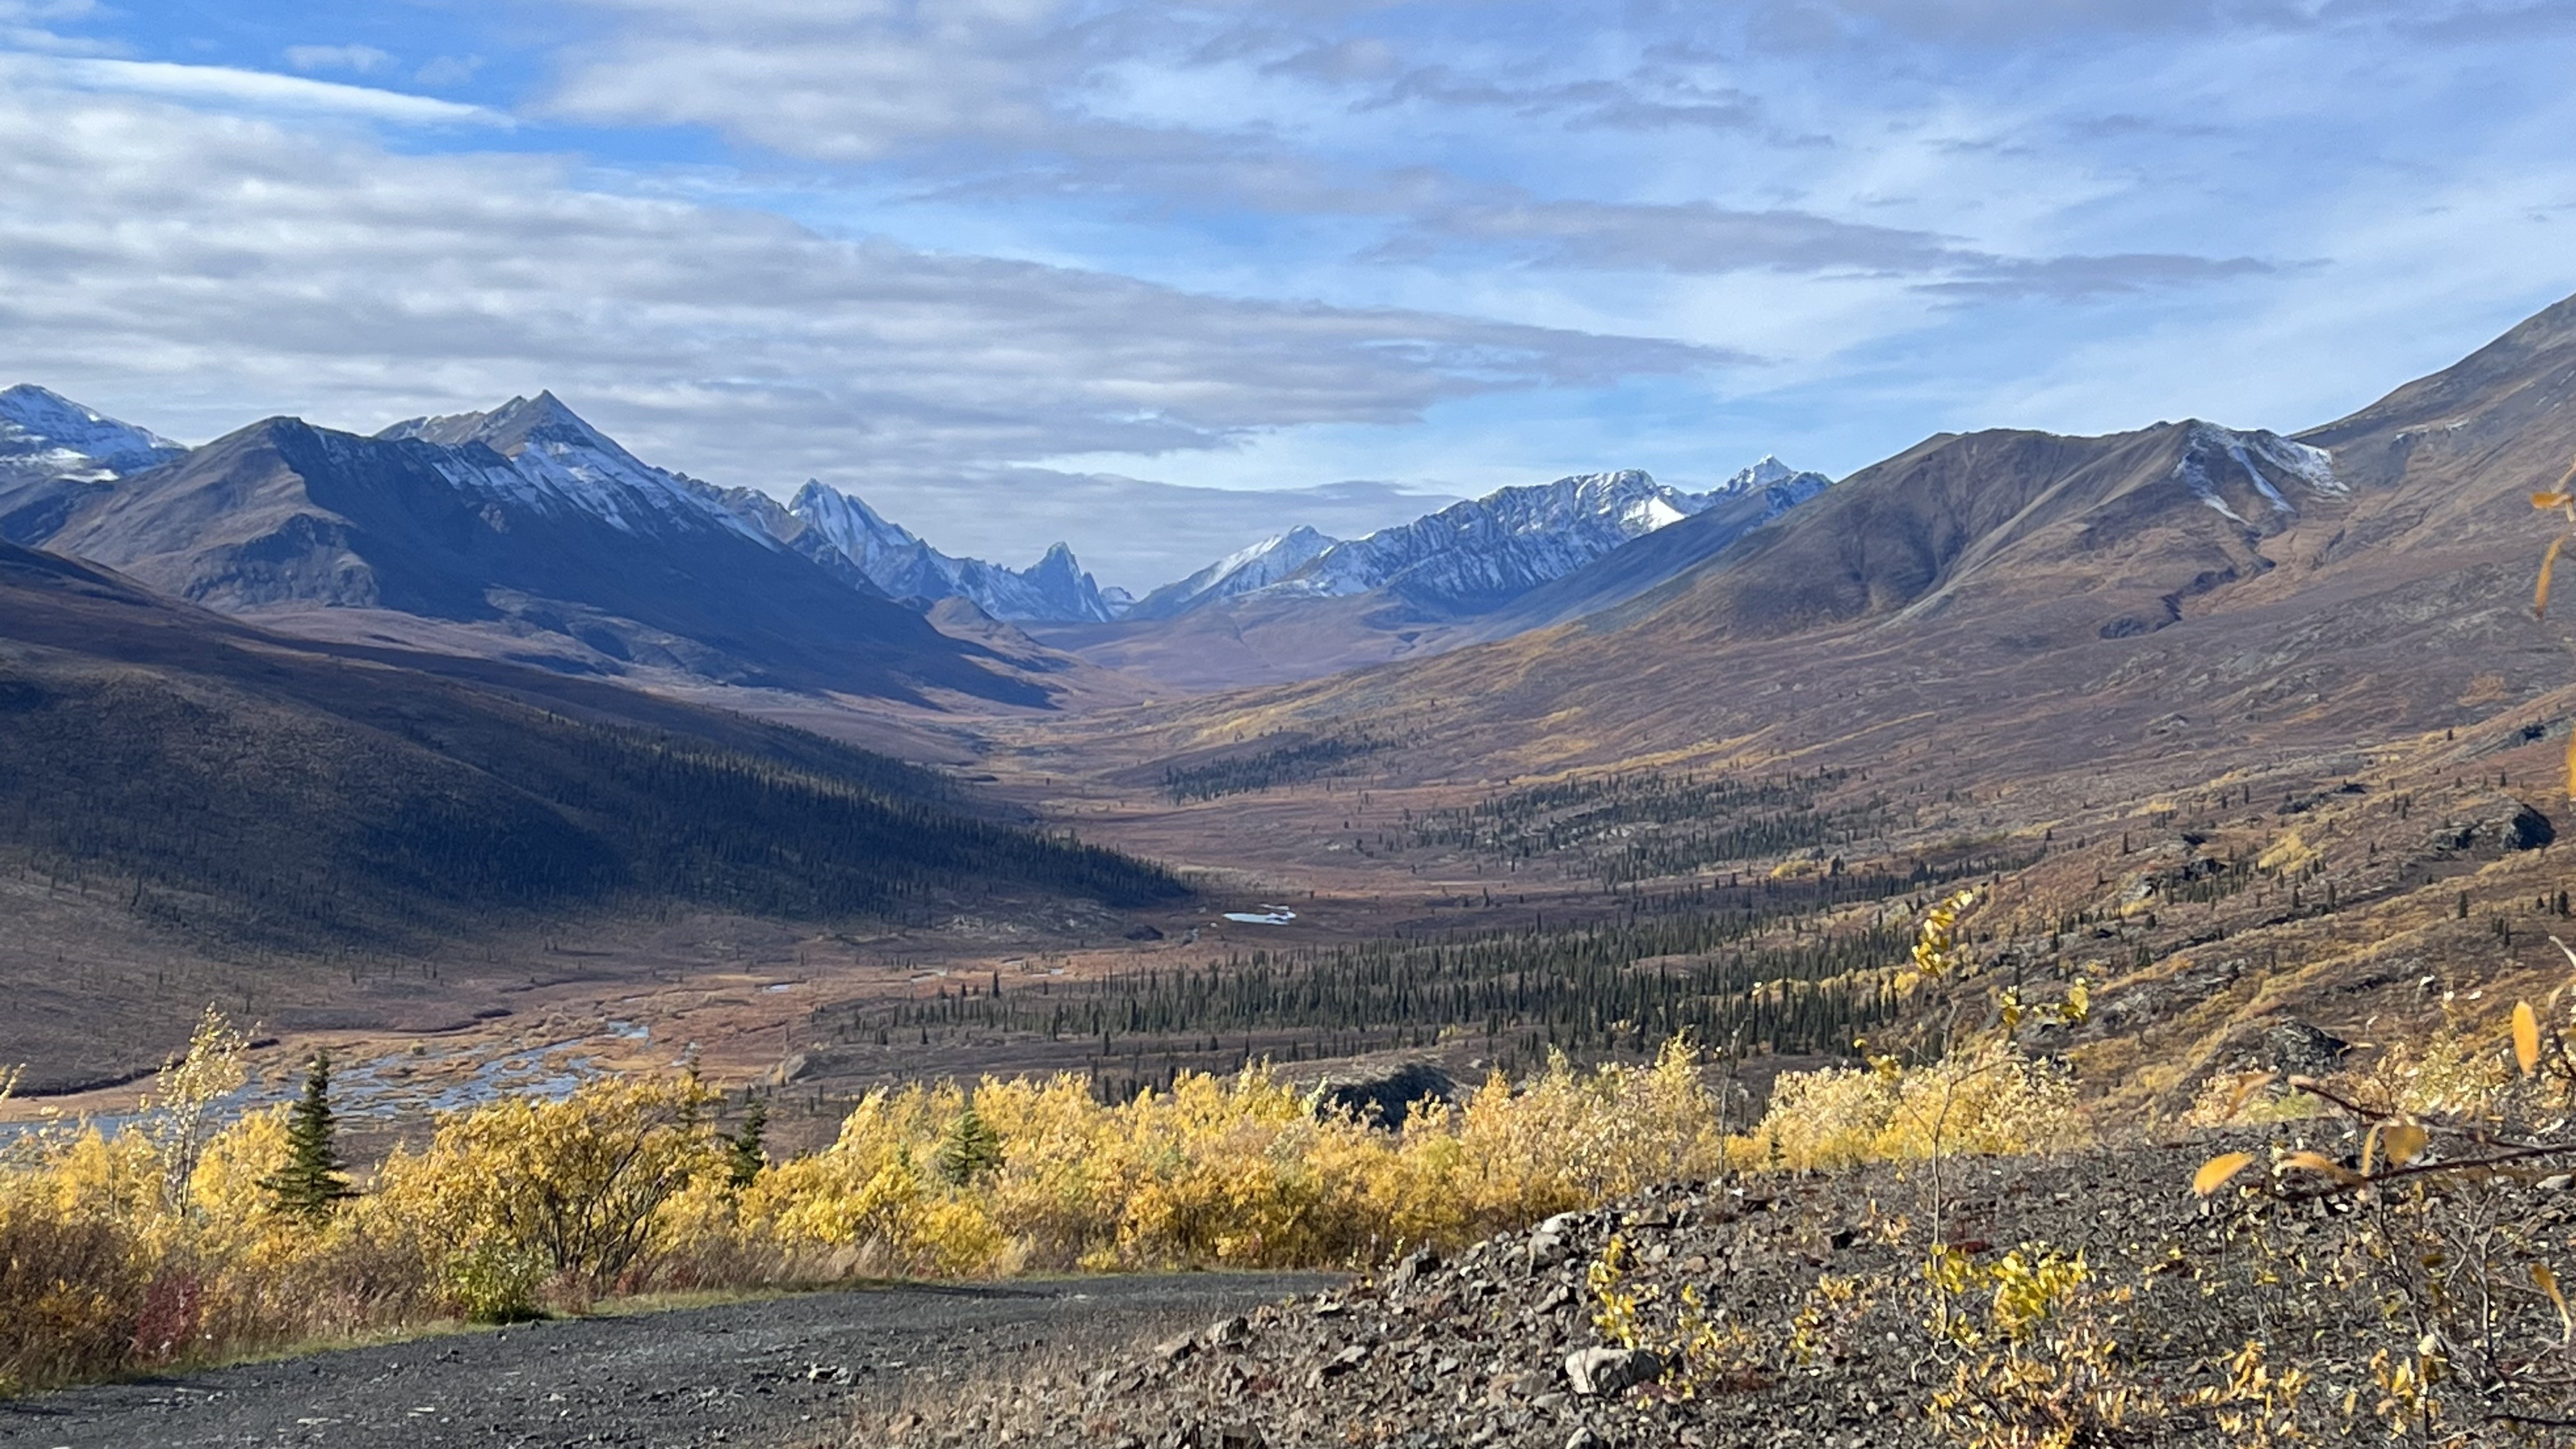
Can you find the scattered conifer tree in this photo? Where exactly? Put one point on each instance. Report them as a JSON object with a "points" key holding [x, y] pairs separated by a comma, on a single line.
{"points": [[314, 1179], [747, 1153], [972, 1149]]}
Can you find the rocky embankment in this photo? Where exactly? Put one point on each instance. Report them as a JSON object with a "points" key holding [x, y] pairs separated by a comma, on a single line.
{"points": [[1809, 1320]]}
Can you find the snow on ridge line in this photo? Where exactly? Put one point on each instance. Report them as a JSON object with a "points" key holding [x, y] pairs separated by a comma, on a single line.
{"points": [[46, 429], [1054, 589]]}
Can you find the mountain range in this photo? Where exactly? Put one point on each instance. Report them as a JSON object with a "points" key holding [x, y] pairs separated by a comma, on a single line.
{"points": [[524, 533], [1302, 605], [299, 685], [521, 533], [2004, 604], [904, 567]]}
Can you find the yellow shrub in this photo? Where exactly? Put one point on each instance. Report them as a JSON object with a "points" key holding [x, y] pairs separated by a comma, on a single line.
{"points": [[112, 1257], [1240, 1171], [1985, 1099], [522, 1191]]}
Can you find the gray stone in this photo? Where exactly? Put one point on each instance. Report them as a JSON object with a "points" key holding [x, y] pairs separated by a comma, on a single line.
{"points": [[1597, 1371], [1412, 1267]]}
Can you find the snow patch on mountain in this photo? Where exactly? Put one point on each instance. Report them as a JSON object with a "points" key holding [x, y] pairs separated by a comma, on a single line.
{"points": [[1054, 590], [552, 459], [41, 431], [1244, 571], [2218, 462]]}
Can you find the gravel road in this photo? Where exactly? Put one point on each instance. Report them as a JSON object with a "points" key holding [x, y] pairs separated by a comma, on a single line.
{"points": [[778, 1372]]}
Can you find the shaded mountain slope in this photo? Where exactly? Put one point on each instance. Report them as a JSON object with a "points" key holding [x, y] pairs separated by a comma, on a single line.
{"points": [[235, 785], [568, 541]]}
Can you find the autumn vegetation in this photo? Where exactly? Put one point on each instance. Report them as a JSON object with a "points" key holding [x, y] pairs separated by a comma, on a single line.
{"points": [[173, 1239]]}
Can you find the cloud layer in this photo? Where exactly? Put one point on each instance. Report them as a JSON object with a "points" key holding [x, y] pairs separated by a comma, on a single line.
{"points": [[1024, 269], [246, 267]]}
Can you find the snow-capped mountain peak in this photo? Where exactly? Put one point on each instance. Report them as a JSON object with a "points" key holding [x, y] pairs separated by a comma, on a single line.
{"points": [[844, 519], [1764, 474], [1241, 572], [555, 459], [1472, 555], [42, 430], [1782, 486], [896, 560]]}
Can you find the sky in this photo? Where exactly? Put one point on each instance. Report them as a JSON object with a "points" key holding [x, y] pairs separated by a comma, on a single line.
{"points": [[1161, 279]]}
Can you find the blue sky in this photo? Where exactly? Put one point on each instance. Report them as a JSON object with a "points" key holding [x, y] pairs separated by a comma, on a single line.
{"points": [[1159, 279]]}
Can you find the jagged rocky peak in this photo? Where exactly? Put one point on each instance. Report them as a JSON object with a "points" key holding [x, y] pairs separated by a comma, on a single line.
{"points": [[507, 428], [1470, 555], [850, 525], [41, 428], [555, 458], [1475, 554], [896, 560], [1770, 473], [1760, 475]]}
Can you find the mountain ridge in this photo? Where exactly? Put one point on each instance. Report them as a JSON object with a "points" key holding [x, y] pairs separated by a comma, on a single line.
{"points": [[899, 563], [1521, 558], [568, 543], [2006, 603]]}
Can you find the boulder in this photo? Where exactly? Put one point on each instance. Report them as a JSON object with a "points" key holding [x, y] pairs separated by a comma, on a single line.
{"points": [[1387, 1097], [1597, 1371]]}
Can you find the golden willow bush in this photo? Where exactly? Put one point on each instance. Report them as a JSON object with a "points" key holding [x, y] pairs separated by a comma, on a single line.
{"points": [[167, 1240]]}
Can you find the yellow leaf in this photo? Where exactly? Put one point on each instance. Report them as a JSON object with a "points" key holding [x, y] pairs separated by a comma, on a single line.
{"points": [[2214, 1173], [2550, 500], [2526, 1037], [2250, 1083], [2404, 1142], [2370, 1146], [2079, 1004], [2318, 1162], [2540, 591], [2548, 1282]]}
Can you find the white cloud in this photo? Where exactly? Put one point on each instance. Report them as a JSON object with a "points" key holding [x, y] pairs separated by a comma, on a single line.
{"points": [[199, 270], [1919, 214], [448, 70], [1133, 532], [364, 59], [263, 91]]}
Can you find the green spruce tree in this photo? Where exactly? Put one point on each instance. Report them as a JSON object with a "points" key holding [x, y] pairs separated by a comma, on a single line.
{"points": [[746, 1154], [972, 1149], [314, 1179]]}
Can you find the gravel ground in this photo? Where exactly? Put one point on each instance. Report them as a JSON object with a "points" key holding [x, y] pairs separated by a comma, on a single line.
{"points": [[1822, 1275], [783, 1371]]}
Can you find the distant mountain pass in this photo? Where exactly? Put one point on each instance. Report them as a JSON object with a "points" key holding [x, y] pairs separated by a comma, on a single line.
{"points": [[899, 563], [1302, 605]]}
